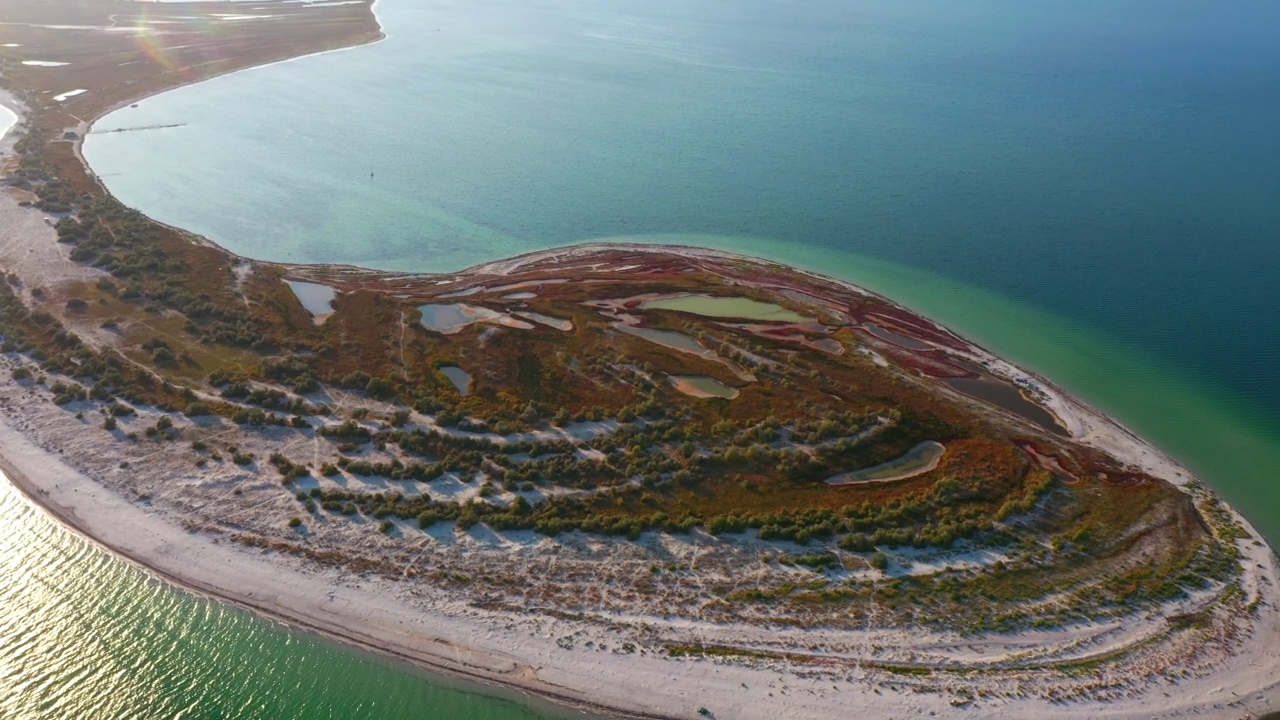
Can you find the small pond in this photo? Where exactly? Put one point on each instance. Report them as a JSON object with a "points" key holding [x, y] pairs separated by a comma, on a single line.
{"points": [[701, 386], [463, 292], [896, 338], [1006, 396], [555, 322], [316, 298], [667, 338], [726, 307], [460, 378], [449, 319], [918, 460]]}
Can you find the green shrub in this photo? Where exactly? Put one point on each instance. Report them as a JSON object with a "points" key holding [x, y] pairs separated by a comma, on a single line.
{"points": [[197, 409]]}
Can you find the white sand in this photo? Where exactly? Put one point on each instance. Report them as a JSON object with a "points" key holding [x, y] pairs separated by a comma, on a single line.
{"points": [[10, 110]]}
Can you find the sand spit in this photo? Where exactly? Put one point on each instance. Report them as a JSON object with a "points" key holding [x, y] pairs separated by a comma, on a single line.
{"points": [[156, 514], [610, 661]]}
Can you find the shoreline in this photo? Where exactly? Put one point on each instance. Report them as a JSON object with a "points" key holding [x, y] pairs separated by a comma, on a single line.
{"points": [[50, 501], [87, 125], [150, 543]]}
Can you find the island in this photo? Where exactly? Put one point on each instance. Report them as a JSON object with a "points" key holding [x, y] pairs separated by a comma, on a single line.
{"points": [[647, 481]]}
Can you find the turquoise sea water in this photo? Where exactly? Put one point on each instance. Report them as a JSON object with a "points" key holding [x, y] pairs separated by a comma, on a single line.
{"points": [[1090, 188], [85, 636]]}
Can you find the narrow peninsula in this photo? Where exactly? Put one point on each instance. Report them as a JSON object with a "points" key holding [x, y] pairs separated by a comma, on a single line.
{"points": [[649, 481]]}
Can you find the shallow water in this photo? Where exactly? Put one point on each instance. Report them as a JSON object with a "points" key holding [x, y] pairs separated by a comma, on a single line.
{"points": [[558, 323], [86, 635], [919, 459], [667, 338], [895, 338]]}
